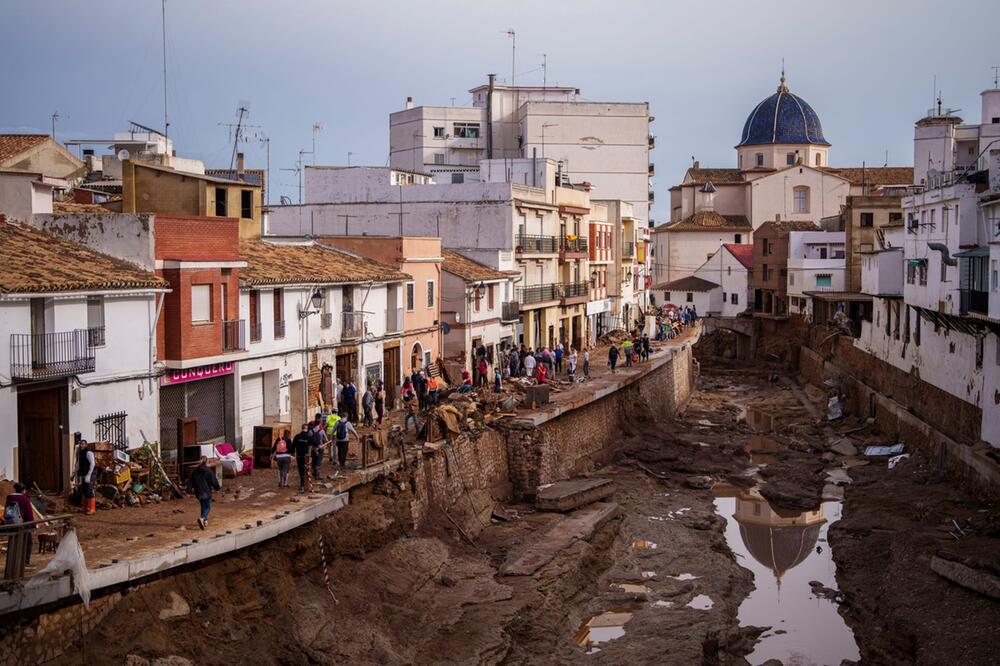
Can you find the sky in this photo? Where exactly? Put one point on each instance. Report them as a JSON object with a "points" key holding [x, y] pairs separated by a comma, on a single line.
{"points": [[867, 68]]}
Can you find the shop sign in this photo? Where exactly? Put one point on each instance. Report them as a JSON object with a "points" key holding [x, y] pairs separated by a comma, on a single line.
{"points": [[597, 307], [180, 376]]}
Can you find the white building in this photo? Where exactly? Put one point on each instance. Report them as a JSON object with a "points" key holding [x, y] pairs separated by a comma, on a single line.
{"points": [[605, 144], [729, 268], [816, 263], [77, 345]]}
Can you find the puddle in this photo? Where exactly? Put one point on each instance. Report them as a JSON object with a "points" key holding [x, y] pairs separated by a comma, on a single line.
{"points": [[763, 450], [781, 550], [663, 604], [602, 628], [701, 602], [649, 574], [631, 588], [684, 576], [642, 544]]}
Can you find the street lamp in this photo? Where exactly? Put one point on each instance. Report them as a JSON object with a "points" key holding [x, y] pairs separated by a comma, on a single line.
{"points": [[316, 300]]}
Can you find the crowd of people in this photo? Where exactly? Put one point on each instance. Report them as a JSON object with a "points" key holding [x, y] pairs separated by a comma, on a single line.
{"points": [[670, 321]]}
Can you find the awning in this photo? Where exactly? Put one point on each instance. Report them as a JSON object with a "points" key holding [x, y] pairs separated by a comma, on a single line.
{"points": [[839, 296], [974, 252]]}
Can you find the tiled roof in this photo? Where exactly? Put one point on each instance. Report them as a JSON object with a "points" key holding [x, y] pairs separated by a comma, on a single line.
{"points": [[873, 175], [12, 145], [742, 253], [790, 225], [689, 283], [709, 220], [35, 262], [74, 207], [716, 176], [298, 263], [467, 269]]}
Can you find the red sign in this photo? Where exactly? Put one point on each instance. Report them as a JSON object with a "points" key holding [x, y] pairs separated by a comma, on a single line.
{"points": [[178, 376]]}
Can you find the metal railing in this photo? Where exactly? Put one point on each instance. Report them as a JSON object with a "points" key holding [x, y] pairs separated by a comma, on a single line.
{"points": [[111, 428], [510, 311], [279, 329], [95, 336], [326, 320], [578, 244], [49, 355], [393, 320], [527, 244], [256, 331], [537, 294], [233, 337], [628, 249], [354, 326], [573, 289], [19, 536]]}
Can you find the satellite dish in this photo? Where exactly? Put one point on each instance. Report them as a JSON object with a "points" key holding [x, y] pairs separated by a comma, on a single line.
{"points": [[445, 327], [123, 155]]}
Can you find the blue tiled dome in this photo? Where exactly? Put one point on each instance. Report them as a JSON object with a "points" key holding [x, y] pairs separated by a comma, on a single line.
{"points": [[782, 118]]}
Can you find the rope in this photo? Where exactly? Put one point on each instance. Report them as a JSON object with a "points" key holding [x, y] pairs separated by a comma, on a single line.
{"points": [[326, 570]]}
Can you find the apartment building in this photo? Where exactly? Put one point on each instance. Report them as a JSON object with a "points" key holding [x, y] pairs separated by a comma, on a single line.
{"points": [[817, 265], [601, 307]]}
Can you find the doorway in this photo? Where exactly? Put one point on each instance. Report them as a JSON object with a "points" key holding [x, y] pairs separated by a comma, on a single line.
{"points": [[297, 410], [416, 357], [41, 458], [390, 368]]}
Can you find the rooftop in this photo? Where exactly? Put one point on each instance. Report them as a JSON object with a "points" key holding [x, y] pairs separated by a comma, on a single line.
{"points": [[886, 175], [689, 283], [742, 253], [12, 145], [699, 176], [312, 263], [708, 220], [469, 270], [35, 262], [790, 225]]}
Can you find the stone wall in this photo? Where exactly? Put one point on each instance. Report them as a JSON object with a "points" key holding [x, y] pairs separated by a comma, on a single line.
{"points": [[45, 637]]}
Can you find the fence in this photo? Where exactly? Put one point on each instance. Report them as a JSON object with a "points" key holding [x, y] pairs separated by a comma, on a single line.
{"points": [[111, 428]]}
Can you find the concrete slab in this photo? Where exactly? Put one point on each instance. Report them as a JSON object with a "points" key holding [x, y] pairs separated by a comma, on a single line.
{"points": [[580, 524], [572, 494]]}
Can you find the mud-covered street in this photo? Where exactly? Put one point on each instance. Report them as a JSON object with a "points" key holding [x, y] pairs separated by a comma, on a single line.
{"points": [[718, 546]]}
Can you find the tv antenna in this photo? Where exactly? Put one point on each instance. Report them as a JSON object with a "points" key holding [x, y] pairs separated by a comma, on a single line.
{"points": [[243, 111], [545, 67], [996, 75], [513, 52], [163, 24], [55, 117]]}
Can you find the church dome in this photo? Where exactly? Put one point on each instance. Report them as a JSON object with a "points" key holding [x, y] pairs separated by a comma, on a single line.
{"points": [[782, 118]]}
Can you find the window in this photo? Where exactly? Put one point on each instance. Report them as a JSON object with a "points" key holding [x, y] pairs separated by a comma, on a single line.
{"points": [[438, 132], [994, 277], [766, 249], [95, 321], [911, 272], [690, 297], [944, 217], [438, 158], [801, 195], [911, 221], [457, 178], [201, 303], [220, 202], [738, 238], [723, 297], [933, 217], [822, 253], [246, 204], [734, 298], [279, 313], [922, 273], [839, 254], [765, 273], [490, 289], [409, 296], [760, 159], [466, 130], [996, 121], [867, 219], [666, 297], [729, 270], [824, 280], [430, 293], [819, 159], [790, 158], [783, 272], [895, 217]]}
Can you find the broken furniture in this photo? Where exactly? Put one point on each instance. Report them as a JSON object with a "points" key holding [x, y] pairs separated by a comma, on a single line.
{"points": [[233, 464]]}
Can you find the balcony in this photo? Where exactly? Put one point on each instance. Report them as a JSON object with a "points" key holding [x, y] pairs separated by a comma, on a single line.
{"points": [[326, 320], [36, 356], [628, 250], [571, 247], [255, 331], [354, 326], [279, 329], [975, 302], [510, 311], [234, 336], [537, 294], [393, 320], [571, 293], [527, 244]]}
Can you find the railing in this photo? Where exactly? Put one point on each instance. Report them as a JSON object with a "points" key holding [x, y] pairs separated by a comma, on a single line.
{"points": [[652, 141], [354, 325], [578, 244], [111, 428], [255, 331], [326, 320], [49, 355], [569, 290], [393, 320], [510, 311], [233, 337], [527, 244], [975, 301], [95, 336], [19, 536], [537, 294], [279, 329], [628, 249]]}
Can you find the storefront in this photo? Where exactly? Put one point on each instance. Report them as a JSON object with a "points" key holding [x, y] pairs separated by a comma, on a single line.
{"points": [[204, 393], [599, 318]]}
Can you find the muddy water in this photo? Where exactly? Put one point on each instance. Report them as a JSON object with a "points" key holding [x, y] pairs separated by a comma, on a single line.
{"points": [[786, 551]]}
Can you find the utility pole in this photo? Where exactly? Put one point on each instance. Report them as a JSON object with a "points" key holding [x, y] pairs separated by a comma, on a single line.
{"points": [[545, 68], [163, 24], [513, 53], [400, 213], [236, 141], [317, 127], [349, 153], [55, 117]]}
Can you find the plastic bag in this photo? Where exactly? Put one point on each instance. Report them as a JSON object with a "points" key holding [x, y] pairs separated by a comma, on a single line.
{"points": [[69, 557]]}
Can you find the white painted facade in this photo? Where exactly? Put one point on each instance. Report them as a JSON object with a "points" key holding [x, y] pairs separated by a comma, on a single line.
{"points": [[472, 320], [733, 293], [816, 262], [23, 195]]}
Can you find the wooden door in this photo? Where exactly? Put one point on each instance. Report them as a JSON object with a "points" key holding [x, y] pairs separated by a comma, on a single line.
{"points": [[390, 370], [41, 458]]}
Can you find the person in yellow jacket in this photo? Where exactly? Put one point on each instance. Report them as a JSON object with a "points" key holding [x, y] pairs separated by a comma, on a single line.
{"points": [[331, 427]]}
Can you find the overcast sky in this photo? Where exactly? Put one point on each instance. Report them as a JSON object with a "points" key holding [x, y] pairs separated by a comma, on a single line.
{"points": [[866, 67]]}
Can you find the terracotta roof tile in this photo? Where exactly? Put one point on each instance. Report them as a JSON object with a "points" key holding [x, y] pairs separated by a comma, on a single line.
{"points": [[32, 261], [873, 175], [689, 283], [467, 269], [741, 252], [715, 176], [709, 220], [12, 145], [790, 225], [297, 263], [74, 207]]}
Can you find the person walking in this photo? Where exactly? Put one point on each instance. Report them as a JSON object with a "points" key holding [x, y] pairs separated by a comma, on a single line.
{"points": [[343, 434], [380, 401], [202, 482], [351, 401], [627, 351], [319, 439], [412, 405], [529, 364], [84, 474], [432, 390], [368, 405], [558, 354], [281, 453], [613, 356], [301, 446], [571, 365], [645, 347], [586, 363], [514, 359]]}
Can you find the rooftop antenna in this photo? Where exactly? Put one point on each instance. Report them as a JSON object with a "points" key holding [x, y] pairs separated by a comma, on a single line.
{"points": [[886, 157], [545, 66], [996, 75], [513, 53], [163, 23], [243, 110], [55, 117], [349, 153], [317, 127], [781, 83], [934, 93]]}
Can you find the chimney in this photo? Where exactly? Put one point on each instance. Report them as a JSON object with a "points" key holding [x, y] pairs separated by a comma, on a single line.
{"points": [[697, 165], [239, 164], [409, 102], [777, 217]]}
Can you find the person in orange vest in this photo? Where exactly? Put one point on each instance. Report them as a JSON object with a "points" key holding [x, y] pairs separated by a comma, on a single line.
{"points": [[432, 390]]}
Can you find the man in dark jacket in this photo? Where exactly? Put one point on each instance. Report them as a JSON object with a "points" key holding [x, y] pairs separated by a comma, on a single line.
{"points": [[201, 483], [302, 445], [613, 356]]}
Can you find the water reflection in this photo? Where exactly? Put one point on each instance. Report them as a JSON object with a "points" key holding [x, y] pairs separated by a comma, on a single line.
{"points": [[602, 627], [780, 548]]}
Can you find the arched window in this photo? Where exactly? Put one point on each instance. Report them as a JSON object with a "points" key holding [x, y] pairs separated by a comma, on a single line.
{"points": [[819, 159], [801, 194], [760, 159]]}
